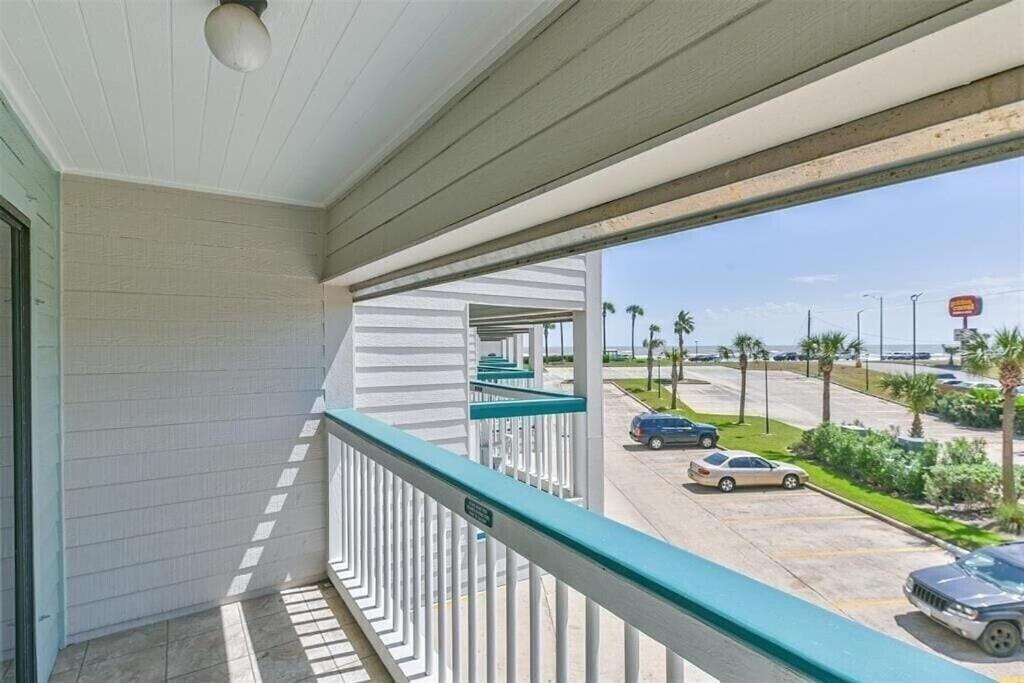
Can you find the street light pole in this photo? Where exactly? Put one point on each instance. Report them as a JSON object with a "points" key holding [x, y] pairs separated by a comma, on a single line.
{"points": [[860, 349], [913, 337], [765, 359], [881, 321], [807, 368]]}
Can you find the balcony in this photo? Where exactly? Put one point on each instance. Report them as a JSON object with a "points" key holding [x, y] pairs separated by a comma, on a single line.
{"points": [[427, 541]]}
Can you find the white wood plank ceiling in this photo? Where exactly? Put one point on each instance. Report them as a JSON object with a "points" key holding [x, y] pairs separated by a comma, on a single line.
{"points": [[128, 88]]}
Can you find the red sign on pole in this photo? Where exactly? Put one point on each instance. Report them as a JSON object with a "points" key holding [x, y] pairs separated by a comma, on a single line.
{"points": [[965, 306]]}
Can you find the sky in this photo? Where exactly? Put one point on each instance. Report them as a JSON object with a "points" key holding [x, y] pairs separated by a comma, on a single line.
{"points": [[957, 233]]}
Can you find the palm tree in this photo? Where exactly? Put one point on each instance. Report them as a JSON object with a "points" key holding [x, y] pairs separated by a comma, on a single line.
{"points": [[634, 310], [746, 346], [683, 325], [827, 347], [606, 308], [650, 344], [547, 327], [950, 349], [1005, 351], [676, 356], [919, 391], [561, 341]]}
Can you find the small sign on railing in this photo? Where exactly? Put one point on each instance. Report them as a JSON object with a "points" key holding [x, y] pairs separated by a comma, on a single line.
{"points": [[479, 512]]}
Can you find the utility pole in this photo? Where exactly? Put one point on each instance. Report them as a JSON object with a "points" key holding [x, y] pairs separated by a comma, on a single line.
{"points": [[807, 369], [913, 338]]}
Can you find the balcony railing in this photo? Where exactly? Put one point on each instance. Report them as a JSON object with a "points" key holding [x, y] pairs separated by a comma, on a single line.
{"points": [[405, 539], [526, 433], [514, 377]]}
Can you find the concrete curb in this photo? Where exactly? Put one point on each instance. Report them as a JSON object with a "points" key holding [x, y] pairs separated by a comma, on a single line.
{"points": [[934, 540]]}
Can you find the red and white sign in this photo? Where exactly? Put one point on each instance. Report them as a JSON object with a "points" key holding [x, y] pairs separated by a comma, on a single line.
{"points": [[965, 306]]}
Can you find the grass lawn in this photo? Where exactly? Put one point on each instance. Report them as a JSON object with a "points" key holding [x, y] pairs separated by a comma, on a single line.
{"points": [[844, 375], [776, 446]]}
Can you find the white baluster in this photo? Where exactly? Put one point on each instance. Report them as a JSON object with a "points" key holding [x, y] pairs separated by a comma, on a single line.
{"points": [[396, 559], [429, 509], [473, 588], [632, 654], [592, 645], [511, 651], [456, 597], [561, 632], [442, 597], [491, 579], [535, 623], [418, 559], [673, 667], [387, 561]]}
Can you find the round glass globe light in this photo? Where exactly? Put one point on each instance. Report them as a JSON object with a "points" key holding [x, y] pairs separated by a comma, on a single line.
{"points": [[237, 37]]}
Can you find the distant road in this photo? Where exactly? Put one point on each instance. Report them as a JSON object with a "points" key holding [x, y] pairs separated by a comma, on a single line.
{"points": [[887, 366], [796, 400]]}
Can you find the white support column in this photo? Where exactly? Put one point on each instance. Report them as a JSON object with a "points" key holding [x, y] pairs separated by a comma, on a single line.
{"points": [[339, 392], [588, 427], [517, 349], [537, 355]]}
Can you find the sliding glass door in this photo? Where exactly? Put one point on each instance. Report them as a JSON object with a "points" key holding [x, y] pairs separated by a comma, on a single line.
{"points": [[17, 643]]}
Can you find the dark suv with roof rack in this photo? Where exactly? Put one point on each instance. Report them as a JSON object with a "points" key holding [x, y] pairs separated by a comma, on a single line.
{"points": [[980, 596]]}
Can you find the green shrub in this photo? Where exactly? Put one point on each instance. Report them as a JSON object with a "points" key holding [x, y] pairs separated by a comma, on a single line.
{"points": [[961, 451], [1010, 518], [875, 458], [975, 485], [979, 407]]}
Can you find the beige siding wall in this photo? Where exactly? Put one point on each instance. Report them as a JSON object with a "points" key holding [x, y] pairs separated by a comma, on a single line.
{"points": [[194, 457]]}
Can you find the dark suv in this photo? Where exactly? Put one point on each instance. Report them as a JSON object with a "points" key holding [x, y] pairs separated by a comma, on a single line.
{"points": [[980, 596], [658, 429]]}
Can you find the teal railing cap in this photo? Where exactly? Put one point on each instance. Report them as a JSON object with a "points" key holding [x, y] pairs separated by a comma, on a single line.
{"points": [[485, 410], [808, 639], [485, 374]]}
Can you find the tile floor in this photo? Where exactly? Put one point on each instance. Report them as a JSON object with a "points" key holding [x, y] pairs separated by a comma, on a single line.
{"points": [[298, 634]]}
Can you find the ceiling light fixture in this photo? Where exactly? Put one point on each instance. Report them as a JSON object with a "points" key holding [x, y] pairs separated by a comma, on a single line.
{"points": [[237, 36]]}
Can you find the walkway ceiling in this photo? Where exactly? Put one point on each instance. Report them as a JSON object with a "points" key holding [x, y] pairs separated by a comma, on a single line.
{"points": [[940, 88], [129, 89], [484, 316]]}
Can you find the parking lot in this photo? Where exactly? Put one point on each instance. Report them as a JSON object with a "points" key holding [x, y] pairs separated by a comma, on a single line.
{"points": [[799, 541]]}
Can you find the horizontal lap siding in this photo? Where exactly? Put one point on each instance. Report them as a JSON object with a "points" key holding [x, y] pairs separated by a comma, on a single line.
{"points": [[193, 358], [411, 365], [28, 182], [414, 353], [604, 79]]}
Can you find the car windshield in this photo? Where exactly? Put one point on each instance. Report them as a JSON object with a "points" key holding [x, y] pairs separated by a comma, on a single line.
{"points": [[716, 459], [983, 565]]}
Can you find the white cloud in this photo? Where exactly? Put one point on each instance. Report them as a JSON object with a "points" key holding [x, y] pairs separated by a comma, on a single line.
{"points": [[814, 279]]}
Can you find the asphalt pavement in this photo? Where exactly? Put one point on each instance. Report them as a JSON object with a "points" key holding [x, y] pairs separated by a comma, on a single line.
{"points": [[799, 541]]}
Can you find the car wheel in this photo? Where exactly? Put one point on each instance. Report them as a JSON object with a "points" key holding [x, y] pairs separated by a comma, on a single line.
{"points": [[1000, 639], [706, 441], [726, 484], [656, 442], [790, 481]]}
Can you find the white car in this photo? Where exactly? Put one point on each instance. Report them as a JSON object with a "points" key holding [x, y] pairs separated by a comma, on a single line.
{"points": [[727, 470]]}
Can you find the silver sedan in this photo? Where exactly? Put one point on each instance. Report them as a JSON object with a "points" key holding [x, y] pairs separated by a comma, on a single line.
{"points": [[740, 468]]}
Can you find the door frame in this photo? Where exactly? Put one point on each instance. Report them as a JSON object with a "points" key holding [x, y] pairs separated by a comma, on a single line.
{"points": [[21, 357]]}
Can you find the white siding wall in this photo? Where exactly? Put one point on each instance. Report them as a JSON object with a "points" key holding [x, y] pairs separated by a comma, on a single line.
{"points": [[413, 351], [411, 365], [195, 461], [28, 182]]}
